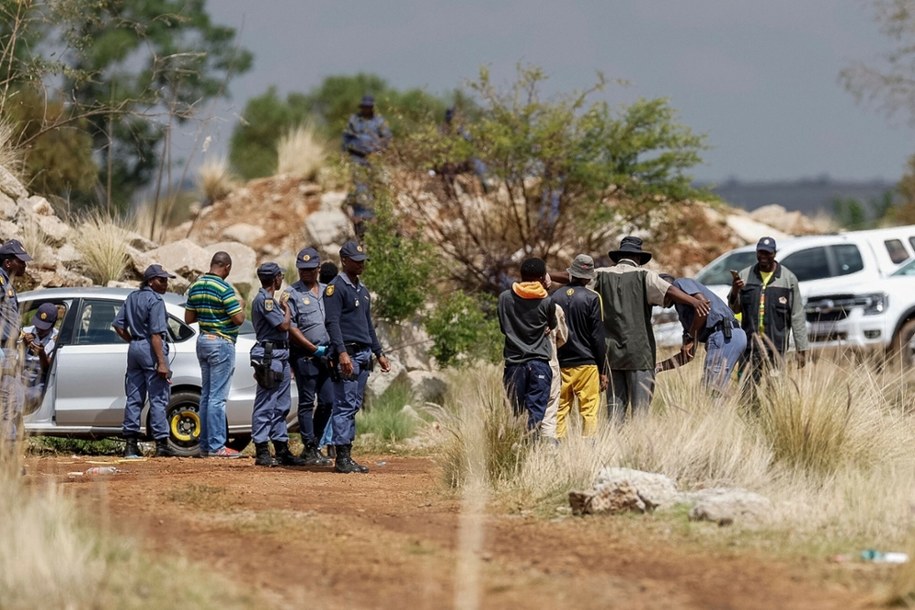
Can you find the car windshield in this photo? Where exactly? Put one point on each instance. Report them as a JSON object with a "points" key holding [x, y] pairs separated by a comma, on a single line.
{"points": [[719, 272], [907, 269]]}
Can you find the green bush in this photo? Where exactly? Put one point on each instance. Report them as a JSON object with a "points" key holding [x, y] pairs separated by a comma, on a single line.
{"points": [[464, 328], [385, 418], [75, 446]]}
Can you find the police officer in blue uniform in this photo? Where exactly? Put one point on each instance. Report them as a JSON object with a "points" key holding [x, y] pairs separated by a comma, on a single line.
{"points": [[308, 350], [348, 317], [13, 259], [270, 359], [366, 134], [142, 322]]}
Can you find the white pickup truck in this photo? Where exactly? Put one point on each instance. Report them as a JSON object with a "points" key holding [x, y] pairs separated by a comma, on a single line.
{"points": [[876, 313]]}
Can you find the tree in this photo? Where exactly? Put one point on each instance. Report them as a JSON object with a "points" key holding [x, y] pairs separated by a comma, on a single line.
{"points": [[889, 82], [563, 175]]}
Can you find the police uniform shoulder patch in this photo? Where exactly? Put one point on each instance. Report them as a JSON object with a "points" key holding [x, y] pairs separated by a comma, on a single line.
{"points": [[570, 291], [329, 291], [2, 281], [268, 305]]}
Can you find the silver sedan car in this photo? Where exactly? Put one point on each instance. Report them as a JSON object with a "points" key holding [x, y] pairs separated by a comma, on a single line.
{"points": [[84, 395]]}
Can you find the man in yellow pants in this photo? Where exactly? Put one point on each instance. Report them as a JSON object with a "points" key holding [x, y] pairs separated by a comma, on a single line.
{"points": [[582, 358]]}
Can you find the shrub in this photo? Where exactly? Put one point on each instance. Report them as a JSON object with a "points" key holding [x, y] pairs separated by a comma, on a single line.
{"points": [[214, 180], [461, 331], [386, 418], [103, 244], [301, 153]]}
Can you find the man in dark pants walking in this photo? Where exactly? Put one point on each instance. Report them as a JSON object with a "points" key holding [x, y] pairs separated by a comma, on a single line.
{"points": [[309, 343], [526, 315], [142, 323], [348, 317], [270, 359]]}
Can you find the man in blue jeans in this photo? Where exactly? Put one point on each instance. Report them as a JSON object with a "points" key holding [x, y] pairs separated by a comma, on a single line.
{"points": [[214, 305], [526, 315], [724, 340]]}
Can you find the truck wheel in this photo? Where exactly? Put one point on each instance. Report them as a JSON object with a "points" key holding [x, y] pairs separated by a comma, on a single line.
{"points": [[900, 347]]}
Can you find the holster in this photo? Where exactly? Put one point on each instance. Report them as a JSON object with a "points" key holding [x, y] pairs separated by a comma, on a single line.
{"points": [[728, 329], [264, 374]]}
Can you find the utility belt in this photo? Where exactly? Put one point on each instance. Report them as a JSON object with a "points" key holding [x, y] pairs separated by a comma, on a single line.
{"points": [[356, 348], [274, 344], [725, 326]]}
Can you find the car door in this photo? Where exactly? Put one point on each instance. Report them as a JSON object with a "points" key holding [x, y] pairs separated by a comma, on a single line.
{"points": [[91, 368]]}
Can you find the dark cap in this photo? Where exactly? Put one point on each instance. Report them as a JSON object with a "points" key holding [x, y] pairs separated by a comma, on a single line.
{"points": [[353, 251], [45, 317], [307, 258], [156, 271], [631, 248], [269, 271], [14, 247], [367, 100], [766, 244], [582, 267]]}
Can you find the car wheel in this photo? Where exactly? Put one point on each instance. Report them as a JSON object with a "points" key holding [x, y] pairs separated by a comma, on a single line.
{"points": [[183, 418], [902, 344], [238, 442]]}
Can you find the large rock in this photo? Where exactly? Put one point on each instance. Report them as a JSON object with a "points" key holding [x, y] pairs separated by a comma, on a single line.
{"points": [[724, 506], [327, 227], [183, 257], [410, 342], [427, 386], [244, 265], [379, 382], [655, 490], [62, 278], [8, 207], [792, 223], [749, 231], [332, 201], [243, 233], [623, 498], [10, 185]]}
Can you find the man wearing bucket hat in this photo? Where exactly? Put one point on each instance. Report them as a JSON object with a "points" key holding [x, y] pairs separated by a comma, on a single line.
{"points": [[39, 340], [768, 297], [582, 359], [628, 292], [13, 258], [308, 357], [142, 322]]}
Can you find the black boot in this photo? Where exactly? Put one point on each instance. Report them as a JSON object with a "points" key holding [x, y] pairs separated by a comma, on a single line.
{"points": [[284, 456], [262, 455], [345, 463], [132, 449], [313, 457], [162, 448]]}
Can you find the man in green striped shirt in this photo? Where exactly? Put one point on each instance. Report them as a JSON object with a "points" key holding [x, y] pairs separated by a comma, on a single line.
{"points": [[214, 305]]}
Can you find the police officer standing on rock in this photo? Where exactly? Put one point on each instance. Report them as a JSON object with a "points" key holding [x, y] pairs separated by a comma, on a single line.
{"points": [[270, 359], [308, 347], [13, 258], [348, 317]]}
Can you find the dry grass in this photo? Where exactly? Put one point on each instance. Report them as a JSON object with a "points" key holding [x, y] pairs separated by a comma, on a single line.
{"points": [[10, 153], [215, 180], [301, 153], [51, 557], [102, 241], [35, 243], [830, 446]]}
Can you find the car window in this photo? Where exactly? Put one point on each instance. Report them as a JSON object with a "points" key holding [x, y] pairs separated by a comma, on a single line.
{"points": [[808, 264], [848, 258], [896, 250], [907, 269], [719, 272], [912, 242], [178, 330], [93, 323], [30, 308]]}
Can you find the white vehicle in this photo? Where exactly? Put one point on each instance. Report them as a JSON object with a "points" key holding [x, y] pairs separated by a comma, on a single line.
{"points": [[822, 263], [877, 313]]}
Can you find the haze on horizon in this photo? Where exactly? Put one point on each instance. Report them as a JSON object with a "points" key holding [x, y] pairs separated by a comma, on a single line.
{"points": [[759, 79]]}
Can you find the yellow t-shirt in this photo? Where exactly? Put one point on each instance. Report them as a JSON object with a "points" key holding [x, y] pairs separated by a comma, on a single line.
{"points": [[766, 278]]}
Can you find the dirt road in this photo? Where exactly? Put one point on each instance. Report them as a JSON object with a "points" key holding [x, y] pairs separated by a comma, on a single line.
{"points": [[390, 539]]}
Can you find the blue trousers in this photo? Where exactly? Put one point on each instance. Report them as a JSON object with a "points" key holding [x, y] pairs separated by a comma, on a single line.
{"points": [[268, 418], [348, 395], [142, 381], [216, 356], [528, 389], [312, 379], [721, 356]]}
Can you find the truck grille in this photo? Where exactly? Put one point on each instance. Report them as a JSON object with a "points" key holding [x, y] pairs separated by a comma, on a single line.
{"points": [[831, 308]]}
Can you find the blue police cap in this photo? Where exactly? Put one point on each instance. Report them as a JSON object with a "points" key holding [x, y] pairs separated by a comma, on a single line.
{"points": [[268, 271], [156, 271], [307, 258], [367, 100], [14, 247], [45, 317], [353, 251]]}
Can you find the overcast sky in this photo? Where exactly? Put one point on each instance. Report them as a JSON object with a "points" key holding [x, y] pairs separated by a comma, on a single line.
{"points": [[760, 79]]}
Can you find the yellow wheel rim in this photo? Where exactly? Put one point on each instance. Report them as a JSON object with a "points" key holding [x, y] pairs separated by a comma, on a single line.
{"points": [[185, 425]]}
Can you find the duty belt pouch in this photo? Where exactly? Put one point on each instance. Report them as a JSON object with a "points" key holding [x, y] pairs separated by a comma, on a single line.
{"points": [[728, 329], [264, 374]]}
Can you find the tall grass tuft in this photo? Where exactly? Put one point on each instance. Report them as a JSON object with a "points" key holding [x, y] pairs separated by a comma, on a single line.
{"points": [[102, 241], [10, 152], [215, 180], [386, 418], [301, 153], [35, 243]]}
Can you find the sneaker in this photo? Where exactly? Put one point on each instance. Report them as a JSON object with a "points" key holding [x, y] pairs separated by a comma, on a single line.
{"points": [[225, 452]]}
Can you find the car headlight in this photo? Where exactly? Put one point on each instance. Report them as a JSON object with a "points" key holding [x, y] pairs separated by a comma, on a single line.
{"points": [[876, 303]]}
